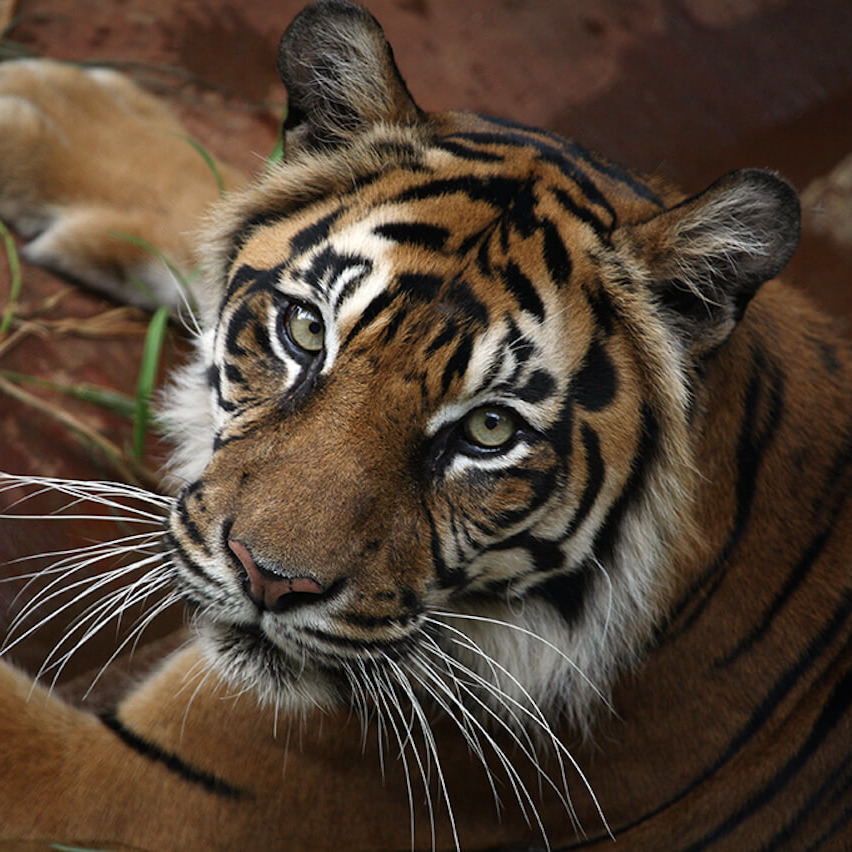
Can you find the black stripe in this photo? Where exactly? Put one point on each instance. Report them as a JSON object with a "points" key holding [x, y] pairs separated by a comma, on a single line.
{"points": [[448, 333], [538, 387], [556, 255], [840, 823], [596, 383], [190, 528], [577, 151], [462, 297], [649, 444], [833, 711], [582, 213], [242, 316], [379, 303], [568, 593], [779, 691], [497, 191], [467, 153], [422, 288], [171, 761], [602, 307], [751, 449], [458, 363], [595, 473], [312, 235], [836, 784], [414, 233], [557, 155], [524, 291], [794, 580]]}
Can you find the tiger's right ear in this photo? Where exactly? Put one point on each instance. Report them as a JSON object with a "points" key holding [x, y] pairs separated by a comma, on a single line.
{"points": [[340, 76]]}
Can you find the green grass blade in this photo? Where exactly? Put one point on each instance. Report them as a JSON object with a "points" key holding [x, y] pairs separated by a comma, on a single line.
{"points": [[118, 403], [15, 273], [276, 155], [208, 159], [61, 847], [147, 377]]}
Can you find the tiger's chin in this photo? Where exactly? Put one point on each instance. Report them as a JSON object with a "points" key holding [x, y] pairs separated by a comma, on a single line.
{"points": [[289, 679]]}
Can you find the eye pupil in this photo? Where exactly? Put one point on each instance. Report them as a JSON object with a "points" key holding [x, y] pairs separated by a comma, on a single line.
{"points": [[490, 428], [305, 328]]}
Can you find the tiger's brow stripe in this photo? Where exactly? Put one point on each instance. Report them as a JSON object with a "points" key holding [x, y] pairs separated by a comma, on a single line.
{"points": [[576, 151], [582, 213], [540, 385], [553, 154], [526, 295], [557, 258], [378, 304], [458, 362], [314, 234], [433, 237], [419, 287]]}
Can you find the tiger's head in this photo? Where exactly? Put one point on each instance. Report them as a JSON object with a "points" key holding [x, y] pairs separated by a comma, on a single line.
{"points": [[439, 425]]}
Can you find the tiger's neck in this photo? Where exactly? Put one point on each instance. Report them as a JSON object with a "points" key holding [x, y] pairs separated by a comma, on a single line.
{"points": [[756, 647]]}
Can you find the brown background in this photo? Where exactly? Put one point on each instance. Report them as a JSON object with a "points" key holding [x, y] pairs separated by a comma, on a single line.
{"points": [[692, 88]]}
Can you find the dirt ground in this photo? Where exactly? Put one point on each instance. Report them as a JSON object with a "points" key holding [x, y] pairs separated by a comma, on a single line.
{"points": [[692, 88]]}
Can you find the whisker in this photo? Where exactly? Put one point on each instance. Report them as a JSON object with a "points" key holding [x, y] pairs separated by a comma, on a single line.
{"points": [[538, 717], [384, 694], [518, 787], [532, 635], [91, 584], [432, 747]]}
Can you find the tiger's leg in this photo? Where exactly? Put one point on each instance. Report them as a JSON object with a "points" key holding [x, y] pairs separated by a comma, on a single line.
{"points": [[100, 178], [183, 764]]}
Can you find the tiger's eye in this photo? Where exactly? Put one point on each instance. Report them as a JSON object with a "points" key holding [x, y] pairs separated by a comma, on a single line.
{"points": [[305, 328], [490, 428]]}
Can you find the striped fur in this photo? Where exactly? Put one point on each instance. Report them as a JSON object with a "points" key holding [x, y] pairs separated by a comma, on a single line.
{"points": [[650, 564]]}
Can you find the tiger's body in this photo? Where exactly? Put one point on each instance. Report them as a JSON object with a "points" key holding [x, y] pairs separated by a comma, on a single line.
{"points": [[513, 452]]}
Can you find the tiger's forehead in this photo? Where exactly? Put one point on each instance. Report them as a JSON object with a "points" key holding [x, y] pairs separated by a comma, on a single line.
{"points": [[479, 248]]}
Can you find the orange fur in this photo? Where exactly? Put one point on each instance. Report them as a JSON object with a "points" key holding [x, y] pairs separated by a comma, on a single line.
{"points": [[730, 679]]}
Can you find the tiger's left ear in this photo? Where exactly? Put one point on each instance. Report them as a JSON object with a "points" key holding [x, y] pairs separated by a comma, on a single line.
{"points": [[706, 257], [340, 75]]}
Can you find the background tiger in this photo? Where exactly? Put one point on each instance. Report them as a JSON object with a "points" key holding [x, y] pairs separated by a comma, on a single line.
{"points": [[491, 440]]}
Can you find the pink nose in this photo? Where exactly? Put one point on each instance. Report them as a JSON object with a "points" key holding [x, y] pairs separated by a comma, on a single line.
{"points": [[271, 591]]}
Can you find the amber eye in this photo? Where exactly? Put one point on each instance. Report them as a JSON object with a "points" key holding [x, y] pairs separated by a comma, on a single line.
{"points": [[490, 428], [305, 328]]}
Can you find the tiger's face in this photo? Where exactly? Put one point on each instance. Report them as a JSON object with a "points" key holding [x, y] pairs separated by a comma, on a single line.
{"points": [[440, 413]]}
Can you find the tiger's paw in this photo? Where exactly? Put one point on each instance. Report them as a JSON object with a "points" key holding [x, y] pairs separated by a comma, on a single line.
{"points": [[100, 179]]}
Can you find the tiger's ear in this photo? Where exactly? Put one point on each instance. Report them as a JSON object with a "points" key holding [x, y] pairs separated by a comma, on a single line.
{"points": [[707, 256], [340, 76]]}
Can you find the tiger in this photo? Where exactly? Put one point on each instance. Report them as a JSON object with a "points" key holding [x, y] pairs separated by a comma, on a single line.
{"points": [[510, 502]]}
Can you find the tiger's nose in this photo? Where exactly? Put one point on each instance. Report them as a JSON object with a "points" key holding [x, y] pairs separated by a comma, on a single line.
{"points": [[271, 591]]}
